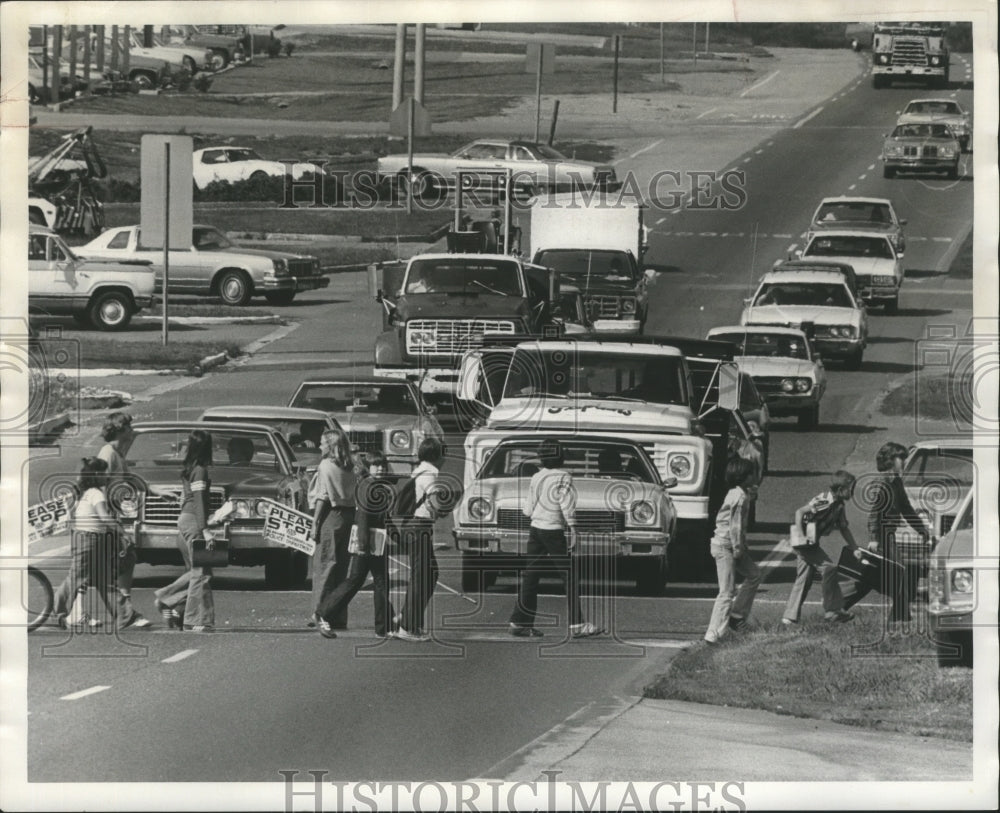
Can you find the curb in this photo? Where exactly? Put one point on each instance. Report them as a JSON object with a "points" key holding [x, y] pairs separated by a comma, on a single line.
{"points": [[272, 319]]}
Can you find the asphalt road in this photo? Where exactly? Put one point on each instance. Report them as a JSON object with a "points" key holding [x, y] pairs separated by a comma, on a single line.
{"points": [[226, 710]]}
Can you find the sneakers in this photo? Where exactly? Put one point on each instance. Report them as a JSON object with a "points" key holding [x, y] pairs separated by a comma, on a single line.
{"points": [[520, 631], [787, 623], [137, 620], [585, 630], [325, 629], [406, 635], [200, 628], [841, 616], [736, 623], [313, 621]]}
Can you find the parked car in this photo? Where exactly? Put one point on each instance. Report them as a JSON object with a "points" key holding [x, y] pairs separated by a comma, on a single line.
{"points": [[231, 164], [536, 167], [876, 215], [270, 473], [936, 475], [226, 44], [878, 267], [820, 303], [623, 510], [103, 294], [191, 58], [921, 148], [783, 367], [215, 266], [302, 428], [378, 415], [951, 588], [939, 111]]}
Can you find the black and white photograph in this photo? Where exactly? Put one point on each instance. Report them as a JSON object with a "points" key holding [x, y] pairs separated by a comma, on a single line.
{"points": [[581, 407]]}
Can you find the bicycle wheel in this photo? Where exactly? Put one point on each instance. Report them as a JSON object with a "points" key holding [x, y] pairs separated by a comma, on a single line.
{"points": [[39, 598]]}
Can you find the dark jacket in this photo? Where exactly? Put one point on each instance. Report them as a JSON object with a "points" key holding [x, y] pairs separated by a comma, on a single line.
{"points": [[891, 508]]}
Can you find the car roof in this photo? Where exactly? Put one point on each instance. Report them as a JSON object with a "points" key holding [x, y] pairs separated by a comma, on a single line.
{"points": [[371, 381], [944, 443], [930, 99], [804, 276], [826, 234], [188, 426], [447, 256], [789, 331], [854, 199], [598, 346], [261, 411]]}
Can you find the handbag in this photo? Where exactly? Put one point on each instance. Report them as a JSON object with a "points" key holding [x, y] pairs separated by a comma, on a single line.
{"points": [[204, 556]]}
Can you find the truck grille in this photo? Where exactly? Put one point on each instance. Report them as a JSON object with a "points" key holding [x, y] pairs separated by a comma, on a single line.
{"points": [[603, 307], [590, 522], [366, 441], [303, 268], [909, 51], [163, 510], [930, 152], [454, 336]]}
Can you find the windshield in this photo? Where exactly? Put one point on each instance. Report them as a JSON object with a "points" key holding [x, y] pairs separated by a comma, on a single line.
{"points": [[301, 435], [775, 345], [589, 266], [588, 459], [545, 151], [588, 374], [940, 466], [854, 212], [244, 155], [829, 295], [922, 131], [231, 449], [850, 246], [938, 108], [394, 399], [207, 239], [463, 275]]}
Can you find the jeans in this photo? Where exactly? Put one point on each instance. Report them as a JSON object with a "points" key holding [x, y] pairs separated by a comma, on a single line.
{"points": [[191, 593], [360, 565], [899, 585], [729, 602], [93, 563], [417, 539], [330, 560], [543, 545], [808, 562]]}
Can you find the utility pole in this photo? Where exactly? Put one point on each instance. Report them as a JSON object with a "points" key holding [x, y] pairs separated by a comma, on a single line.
{"points": [[694, 42], [662, 77], [706, 36], [418, 63], [398, 66]]}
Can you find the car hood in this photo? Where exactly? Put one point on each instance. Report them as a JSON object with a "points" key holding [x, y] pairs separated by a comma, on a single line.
{"points": [[956, 545], [602, 285], [461, 306], [234, 481], [863, 266], [764, 366], [590, 413], [795, 315], [375, 421], [260, 252]]}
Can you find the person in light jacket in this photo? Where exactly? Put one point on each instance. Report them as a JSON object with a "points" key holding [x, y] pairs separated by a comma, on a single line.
{"points": [[729, 549]]}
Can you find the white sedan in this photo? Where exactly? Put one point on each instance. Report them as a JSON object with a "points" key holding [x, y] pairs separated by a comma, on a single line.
{"points": [[939, 111], [232, 164], [878, 267]]}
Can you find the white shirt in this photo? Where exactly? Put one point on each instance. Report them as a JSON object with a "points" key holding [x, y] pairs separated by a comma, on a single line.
{"points": [[86, 517], [424, 476], [551, 500]]}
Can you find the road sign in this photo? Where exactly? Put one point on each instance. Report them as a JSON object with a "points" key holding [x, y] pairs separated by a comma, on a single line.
{"points": [[166, 195]]}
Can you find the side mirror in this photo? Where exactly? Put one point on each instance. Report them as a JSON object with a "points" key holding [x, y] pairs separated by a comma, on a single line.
{"points": [[669, 482]]}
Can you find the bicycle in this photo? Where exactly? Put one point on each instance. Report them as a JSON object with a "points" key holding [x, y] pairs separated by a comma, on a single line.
{"points": [[39, 598]]}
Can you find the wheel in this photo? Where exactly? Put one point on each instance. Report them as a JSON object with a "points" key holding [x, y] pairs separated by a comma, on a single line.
{"points": [[853, 361], [888, 172], [952, 174], [651, 578], [280, 297], [259, 175], [144, 80], [235, 287], [190, 65], [38, 599], [220, 58], [954, 648], [809, 417], [892, 306], [111, 310]]}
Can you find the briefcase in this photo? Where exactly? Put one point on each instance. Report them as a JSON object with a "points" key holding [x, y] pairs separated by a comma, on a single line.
{"points": [[216, 556], [870, 569]]}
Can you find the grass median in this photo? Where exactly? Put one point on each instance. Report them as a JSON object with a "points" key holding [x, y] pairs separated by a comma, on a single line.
{"points": [[855, 674]]}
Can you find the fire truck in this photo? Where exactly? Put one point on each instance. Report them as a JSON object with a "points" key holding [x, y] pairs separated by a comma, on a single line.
{"points": [[910, 51]]}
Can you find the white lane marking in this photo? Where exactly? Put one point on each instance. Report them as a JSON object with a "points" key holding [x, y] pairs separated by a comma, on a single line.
{"points": [[915, 239], [770, 143], [941, 239], [658, 222], [761, 83], [84, 692], [746, 160], [187, 653], [646, 149], [862, 177], [871, 167], [812, 115], [852, 186], [702, 115], [791, 248], [782, 236], [759, 152]]}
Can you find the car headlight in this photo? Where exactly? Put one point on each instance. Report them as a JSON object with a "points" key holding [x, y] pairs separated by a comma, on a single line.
{"points": [[935, 61], [643, 512], [893, 150], [280, 267], [947, 152], [260, 508], [883, 59], [241, 509], [399, 439], [423, 338], [128, 508], [480, 508], [628, 306], [679, 465], [961, 581], [803, 384], [787, 385]]}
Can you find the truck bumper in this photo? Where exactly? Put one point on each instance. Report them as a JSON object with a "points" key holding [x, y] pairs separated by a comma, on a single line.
{"points": [[908, 70], [690, 507], [617, 326]]}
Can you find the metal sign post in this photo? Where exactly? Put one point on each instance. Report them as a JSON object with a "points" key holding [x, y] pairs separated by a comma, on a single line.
{"points": [[166, 243]]}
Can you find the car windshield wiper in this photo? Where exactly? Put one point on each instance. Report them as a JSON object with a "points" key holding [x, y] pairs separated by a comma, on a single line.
{"points": [[487, 287]]}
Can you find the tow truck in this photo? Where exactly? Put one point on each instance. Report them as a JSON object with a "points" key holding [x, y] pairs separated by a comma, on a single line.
{"points": [[60, 195]]}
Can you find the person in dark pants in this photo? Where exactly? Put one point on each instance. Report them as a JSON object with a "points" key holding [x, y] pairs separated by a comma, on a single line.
{"points": [[331, 494], [551, 507], [890, 509], [373, 498], [417, 539]]}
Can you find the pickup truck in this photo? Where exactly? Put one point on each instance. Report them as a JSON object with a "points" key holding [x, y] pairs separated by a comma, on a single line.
{"points": [[599, 248], [440, 305], [102, 293]]}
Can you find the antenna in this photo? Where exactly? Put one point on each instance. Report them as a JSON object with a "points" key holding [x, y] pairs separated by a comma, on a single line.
{"points": [[753, 259]]}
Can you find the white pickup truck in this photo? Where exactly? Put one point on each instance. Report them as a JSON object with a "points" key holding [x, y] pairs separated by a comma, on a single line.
{"points": [[598, 248]]}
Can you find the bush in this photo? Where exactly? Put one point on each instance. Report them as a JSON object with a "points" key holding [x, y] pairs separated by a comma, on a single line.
{"points": [[289, 47], [202, 82]]}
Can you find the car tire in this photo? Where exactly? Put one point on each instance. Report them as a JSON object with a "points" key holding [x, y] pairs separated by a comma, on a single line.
{"points": [[144, 80], [259, 175], [954, 648], [111, 310], [853, 361], [651, 578], [809, 417], [888, 172], [280, 297], [189, 64], [219, 60], [234, 287], [418, 185]]}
